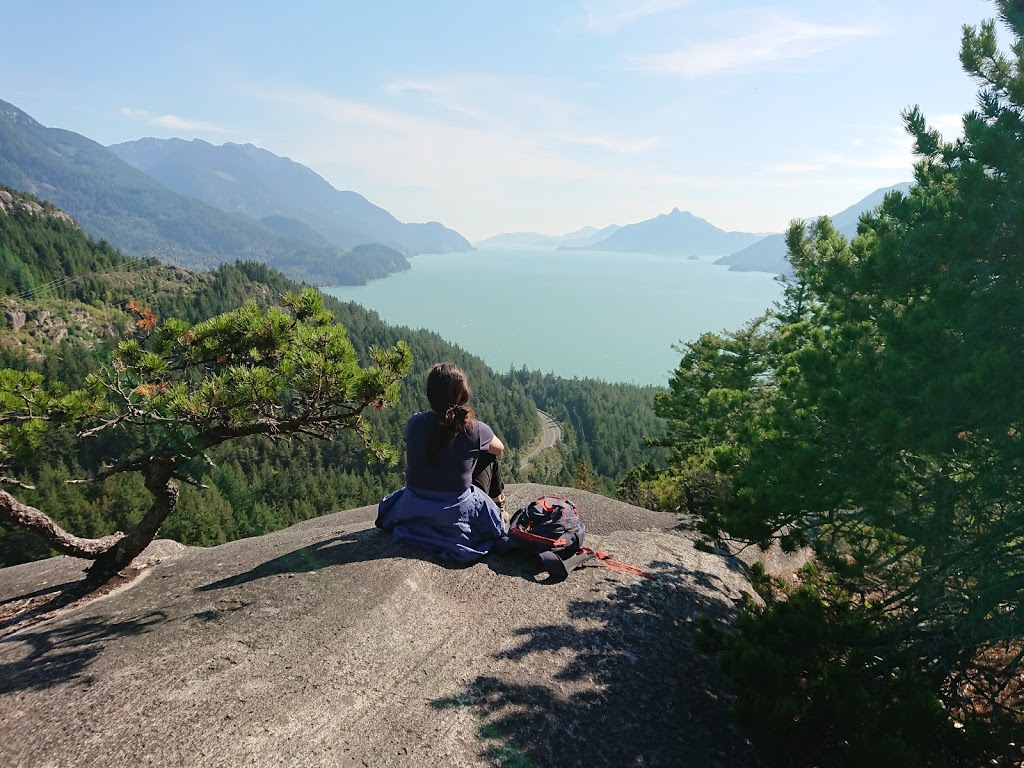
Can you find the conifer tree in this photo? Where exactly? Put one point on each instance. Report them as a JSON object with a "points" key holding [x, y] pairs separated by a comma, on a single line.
{"points": [[176, 390], [878, 418]]}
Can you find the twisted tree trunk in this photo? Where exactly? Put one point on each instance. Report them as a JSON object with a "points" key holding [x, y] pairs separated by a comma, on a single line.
{"points": [[110, 553], [165, 498], [62, 541]]}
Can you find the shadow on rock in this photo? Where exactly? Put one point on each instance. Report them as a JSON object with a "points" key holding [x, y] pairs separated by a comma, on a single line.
{"points": [[630, 690], [519, 563], [64, 653], [354, 547], [53, 589]]}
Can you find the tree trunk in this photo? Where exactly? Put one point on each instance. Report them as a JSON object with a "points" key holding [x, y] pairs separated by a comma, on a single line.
{"points": [[165, 498], [59, 539]]}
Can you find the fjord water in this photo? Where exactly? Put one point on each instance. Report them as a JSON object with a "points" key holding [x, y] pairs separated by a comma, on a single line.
{"points": [[611, 316]]}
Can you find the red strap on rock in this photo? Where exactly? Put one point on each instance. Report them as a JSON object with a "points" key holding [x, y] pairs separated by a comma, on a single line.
{"points": [[617, 565]]}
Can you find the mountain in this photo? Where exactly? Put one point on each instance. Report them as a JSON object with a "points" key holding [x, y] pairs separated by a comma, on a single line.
{"points": [[581, 238], [678, 233], [242, 178], [588, 236], [516, 239], [769, 254], [294, 230], [115, 202]]}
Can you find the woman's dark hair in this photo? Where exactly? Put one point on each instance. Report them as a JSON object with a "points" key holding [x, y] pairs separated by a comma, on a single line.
{"points": [[448, 393]]}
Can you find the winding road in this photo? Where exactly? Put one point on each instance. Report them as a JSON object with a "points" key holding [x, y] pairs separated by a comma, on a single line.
{"points": [[551, 433]]}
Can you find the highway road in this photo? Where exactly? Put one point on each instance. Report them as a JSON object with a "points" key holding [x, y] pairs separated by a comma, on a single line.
{"points": [[551, 434]]}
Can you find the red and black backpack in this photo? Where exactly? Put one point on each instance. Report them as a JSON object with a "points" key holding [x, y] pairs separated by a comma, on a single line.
{"points": [[551, 527]]}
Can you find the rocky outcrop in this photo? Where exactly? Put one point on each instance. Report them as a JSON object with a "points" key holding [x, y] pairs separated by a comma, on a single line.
{"points": [[34, 330], [327, 644], [12, 201], [15, 319]]}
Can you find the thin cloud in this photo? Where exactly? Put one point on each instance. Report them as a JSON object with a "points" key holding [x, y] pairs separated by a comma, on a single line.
{"points": [[172, 122], [527, 109], [398, 147], [614, 144], [608, 17], [883, 148], [782, 40], [419, 165], [420, 86], [447, 95], [797, 168]]}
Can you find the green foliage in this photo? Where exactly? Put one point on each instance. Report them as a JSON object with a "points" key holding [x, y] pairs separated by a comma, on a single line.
{"points": [[43, 256], [178, 390], [711, 407], [604, 425], [875, 415], [254, 370], [811, 684], [583, 477], [28, 411]]}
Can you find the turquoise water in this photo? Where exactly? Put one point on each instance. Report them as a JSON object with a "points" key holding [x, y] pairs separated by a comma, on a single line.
{"points": [[611, 316]]}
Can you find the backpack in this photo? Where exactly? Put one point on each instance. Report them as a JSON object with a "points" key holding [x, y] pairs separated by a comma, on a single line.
{"points": [[551, 527]]}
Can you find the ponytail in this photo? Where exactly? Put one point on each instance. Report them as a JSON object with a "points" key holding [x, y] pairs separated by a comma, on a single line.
{"points": [[448, 393]]}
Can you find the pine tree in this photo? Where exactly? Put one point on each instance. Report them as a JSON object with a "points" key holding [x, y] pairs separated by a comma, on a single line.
{"points": [[878, 418], [178, 390]]}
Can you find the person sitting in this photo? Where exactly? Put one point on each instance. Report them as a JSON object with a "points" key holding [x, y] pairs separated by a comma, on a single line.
{"points": [[451, 505]]}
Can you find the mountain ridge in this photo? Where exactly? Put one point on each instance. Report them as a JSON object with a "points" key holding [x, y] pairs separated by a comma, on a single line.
{"points": [[769, 253], [581, 237], [677, 233], [113, 201], [244, 178]]}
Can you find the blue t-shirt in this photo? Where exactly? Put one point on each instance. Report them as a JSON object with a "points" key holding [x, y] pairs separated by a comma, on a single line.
{"points": [[452, 469]]}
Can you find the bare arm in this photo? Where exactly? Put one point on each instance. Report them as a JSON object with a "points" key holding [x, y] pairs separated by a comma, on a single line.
{"points": [[496, 447]]}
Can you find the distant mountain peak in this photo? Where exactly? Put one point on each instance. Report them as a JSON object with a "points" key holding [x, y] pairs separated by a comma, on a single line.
{"points": [[677, 233]]}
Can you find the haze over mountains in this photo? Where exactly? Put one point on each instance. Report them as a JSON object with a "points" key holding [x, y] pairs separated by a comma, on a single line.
{"points": [[197, 204], [681, 233], [242, 178], [114, 201], [678, 233], [583, 238], [769, 253]]}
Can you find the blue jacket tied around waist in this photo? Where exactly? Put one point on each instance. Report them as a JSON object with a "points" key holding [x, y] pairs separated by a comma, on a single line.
{"points": [[462, 527]]}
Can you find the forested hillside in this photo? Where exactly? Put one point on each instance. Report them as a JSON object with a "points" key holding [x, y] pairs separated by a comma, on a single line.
{"points": [[64, 299], [112, 200], [242, 178], [605, 427]]}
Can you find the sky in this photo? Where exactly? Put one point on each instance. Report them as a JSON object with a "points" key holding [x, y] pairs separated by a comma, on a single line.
{"points": [[537, 115]]}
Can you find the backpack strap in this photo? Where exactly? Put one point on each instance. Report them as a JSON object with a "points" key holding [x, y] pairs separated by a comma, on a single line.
{"points": [[519, 533], [558, 568], [617, 565]]}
